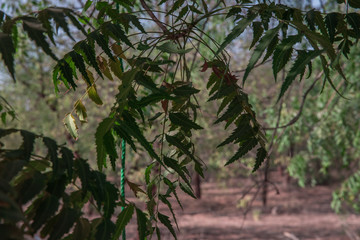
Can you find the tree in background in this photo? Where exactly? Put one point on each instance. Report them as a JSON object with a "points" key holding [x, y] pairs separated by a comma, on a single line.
{"points": [[145, 51]]}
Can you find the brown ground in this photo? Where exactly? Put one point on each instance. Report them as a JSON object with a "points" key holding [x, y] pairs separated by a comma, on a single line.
{"points": [[296, 213]]}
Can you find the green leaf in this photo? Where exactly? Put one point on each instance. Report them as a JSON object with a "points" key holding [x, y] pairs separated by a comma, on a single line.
{"points": [[165, 220], [260, 48], [82, 229], [177, 143], [103, 43], [71, 126], [235, 109], [59, 17], [109, 143], [44, 208], [297, 69], [93, 95], [164, 199], [353, 20], [7, 50], [172, 163], [89, 53], [237, 31], [331, 21], [187, 190], [283, 53], [185, 90], [257, 32], [52, 153], [61, 223], [30, 187], [79, 63], [66, 73], [116, 32], [171, 47], [122, 220], [36, 32], [101, 130], [260, 157], [243, 129], [104, 229], [182, 13], [142, 224], [68, 160], [176, 5], [128, 124], [182, 120], [244, 148]]}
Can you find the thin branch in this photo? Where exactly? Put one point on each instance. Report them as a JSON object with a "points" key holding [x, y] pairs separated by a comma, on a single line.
{"points": [[297, 117], [153, 17]]}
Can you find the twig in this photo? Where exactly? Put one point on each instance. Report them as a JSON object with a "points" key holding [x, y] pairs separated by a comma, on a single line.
{"points": [[296, 118], [153, 17]]}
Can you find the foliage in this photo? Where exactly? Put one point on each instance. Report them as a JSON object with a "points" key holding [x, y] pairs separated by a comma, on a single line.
{"points": [[155, 85]]}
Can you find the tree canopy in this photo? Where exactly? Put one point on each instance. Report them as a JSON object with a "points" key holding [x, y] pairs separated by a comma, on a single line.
{"points": [[151, 52]]}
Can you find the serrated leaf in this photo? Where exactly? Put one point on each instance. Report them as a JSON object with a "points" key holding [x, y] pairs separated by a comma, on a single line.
{"points": [[122, 220], [30, 187], [243, 149], [135, 21], [177, 143], [173, 164], [103, 64], [165, 220], [260, 157], [36, 32], [297, 69], [66, 73], [44, 208], [163, 198], [93, 95], [82, 229], [243, 129], [331, 21], [182, 13], [235, 109], [59, 17], [257, 32], [128, 124], [62, 223], [68, 160], [176, 5], [80, 111], [79, 63], [102, 42], [142, 224], [89, 53], [115, 67], [135, 187], [109, 143], [185, 90], [353, 20], [116, 32], [260, 48], [171, 47], [182, 120], [187, 190], [71, 126], [283, 53], [7, 50], [52, 153], [101, 130], [236, 31], [104, 229]]}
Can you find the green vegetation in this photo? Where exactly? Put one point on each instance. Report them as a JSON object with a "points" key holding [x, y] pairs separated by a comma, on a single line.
{"points": [[120, 70]]}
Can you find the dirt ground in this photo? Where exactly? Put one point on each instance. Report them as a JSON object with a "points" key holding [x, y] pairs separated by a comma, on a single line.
{"points": [[296, 214]]}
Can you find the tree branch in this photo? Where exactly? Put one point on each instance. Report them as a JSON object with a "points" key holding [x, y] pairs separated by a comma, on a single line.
{"points": [[296, 118], [153, 17]]}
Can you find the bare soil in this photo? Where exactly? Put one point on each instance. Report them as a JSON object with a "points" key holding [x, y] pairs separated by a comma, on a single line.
{"points": [[295, 213]]}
